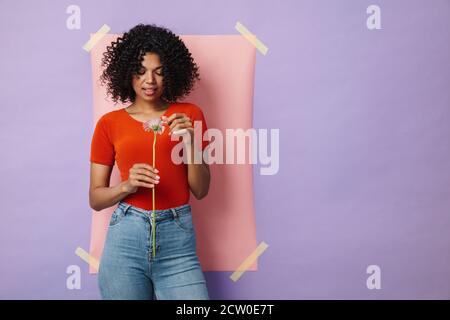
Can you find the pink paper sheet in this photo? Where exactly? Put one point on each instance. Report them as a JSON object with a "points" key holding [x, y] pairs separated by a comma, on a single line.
{"points": [[224, 220]]}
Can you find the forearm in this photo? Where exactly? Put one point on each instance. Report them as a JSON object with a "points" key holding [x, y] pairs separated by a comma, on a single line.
{"points": [[104, 197], [198, 175]]}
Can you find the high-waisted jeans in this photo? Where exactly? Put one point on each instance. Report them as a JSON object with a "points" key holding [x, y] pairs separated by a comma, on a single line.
{"points": [[128, 269]]}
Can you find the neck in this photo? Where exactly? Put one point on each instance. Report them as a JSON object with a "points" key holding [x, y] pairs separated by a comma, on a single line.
{"points": [[149, 106]]}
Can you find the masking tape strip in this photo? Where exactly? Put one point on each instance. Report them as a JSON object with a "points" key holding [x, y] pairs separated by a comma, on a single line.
{"points": [[96, 37], [87, 257], [251, 37], [249, 261]]}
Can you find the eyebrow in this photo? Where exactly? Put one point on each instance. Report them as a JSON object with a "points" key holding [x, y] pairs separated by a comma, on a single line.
{"points": [[153, 69]]}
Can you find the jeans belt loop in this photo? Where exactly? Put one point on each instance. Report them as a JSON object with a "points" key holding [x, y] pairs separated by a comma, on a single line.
{"points": [[174, 213], [127, 206]]}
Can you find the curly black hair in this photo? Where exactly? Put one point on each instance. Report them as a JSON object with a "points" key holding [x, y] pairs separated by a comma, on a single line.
{"points": [[123, 57]]}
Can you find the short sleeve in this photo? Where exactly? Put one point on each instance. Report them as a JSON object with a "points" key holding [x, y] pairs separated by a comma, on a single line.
{"points": [[102, 149], [197, 115]]}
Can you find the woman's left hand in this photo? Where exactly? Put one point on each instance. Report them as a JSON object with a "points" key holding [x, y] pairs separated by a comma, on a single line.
{"points": [[179, 124]]}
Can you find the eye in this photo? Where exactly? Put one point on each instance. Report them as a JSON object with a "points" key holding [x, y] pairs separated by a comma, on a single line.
{"points": [[141, 71], [159, 72]]}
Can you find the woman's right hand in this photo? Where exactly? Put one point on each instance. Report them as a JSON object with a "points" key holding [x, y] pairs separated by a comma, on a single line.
{"points": [[141, 175]]}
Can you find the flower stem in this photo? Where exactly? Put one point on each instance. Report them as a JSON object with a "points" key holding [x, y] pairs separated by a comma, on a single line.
{"points": [[153, 199]]}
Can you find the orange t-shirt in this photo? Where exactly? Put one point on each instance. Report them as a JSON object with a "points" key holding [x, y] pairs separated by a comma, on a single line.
{"points": [[119, 137]]}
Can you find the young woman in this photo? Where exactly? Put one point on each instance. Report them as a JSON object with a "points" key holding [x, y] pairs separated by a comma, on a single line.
{"points": [[146, 256]]}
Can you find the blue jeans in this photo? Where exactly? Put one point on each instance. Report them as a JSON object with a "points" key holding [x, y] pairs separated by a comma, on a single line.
{"points": [[128, 269]]}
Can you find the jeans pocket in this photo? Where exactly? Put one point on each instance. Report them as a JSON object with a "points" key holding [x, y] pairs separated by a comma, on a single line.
{"points": [[116, 217], [184, 222]]}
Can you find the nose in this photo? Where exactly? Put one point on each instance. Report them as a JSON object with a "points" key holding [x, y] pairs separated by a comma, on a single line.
{"points": [[150, 77]]}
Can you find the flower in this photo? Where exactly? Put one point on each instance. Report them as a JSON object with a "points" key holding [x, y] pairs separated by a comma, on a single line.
{"points": [[156, 125]]}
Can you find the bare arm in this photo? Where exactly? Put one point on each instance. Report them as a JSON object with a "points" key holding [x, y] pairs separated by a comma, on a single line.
{"points": [[198, 175], [102, 196]]}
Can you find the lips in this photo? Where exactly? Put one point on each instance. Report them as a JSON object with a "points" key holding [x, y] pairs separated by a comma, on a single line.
{"points": [[149, 91]]}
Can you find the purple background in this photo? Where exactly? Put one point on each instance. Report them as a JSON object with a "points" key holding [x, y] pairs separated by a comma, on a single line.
{"points": [[364, 124]]}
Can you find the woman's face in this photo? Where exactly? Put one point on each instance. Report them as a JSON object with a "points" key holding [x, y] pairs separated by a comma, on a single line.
{"points": [[148, 84]]}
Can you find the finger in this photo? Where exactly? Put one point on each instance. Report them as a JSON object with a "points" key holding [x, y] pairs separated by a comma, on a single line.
{"points": [[174, 124], [186, 125], [175, 116], [152, 169], [180, 124], [134, 173], [186, 120], [143, 184], [180, 132], [145, 166], [186, 133], [148, 173], [148, 179], [180, 120]]}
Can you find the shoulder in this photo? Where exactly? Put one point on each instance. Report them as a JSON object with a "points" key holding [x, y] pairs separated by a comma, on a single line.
{"points": [[109, 117]]}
